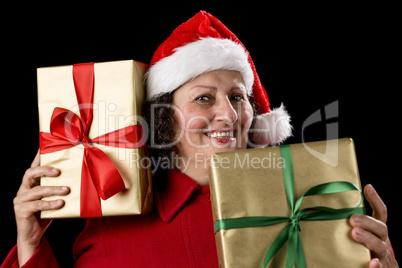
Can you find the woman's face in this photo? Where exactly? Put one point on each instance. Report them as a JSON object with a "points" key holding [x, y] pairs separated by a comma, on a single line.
{"points": [[213, 113]]}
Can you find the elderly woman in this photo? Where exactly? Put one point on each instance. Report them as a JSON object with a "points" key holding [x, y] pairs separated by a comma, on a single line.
{"points": [[204, 97]]}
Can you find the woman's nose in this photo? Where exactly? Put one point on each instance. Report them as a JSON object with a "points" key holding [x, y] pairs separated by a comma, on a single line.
{"points": [[225, 111]]}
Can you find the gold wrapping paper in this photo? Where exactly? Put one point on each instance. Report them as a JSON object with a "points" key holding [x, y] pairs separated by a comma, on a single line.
{"points": [[118, 97], [250, 183]]}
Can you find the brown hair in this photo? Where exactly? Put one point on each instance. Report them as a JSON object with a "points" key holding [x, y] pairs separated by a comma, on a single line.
{"points": [[162, 130]]}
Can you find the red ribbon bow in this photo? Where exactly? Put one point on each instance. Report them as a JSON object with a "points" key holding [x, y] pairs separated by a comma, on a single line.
{"points": [[99, 176]]}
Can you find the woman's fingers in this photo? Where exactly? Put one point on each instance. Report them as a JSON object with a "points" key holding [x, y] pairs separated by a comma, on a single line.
{"points": [[26, 210], [374, 226], [44, 191], [376, 203], [40, 205], [32, 175], [371, 241], [36, 161], [375, 263], [30, 202], [373, 231]]}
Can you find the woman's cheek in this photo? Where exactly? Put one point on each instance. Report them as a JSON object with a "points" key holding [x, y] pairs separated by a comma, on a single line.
{"points": [[197, 122], [194, 128], [246, 118]]}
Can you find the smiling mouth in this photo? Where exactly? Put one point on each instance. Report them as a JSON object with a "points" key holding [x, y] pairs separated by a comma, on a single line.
{"points": [[229, 134]]}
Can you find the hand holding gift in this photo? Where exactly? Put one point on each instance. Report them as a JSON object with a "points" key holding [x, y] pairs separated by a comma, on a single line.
{"points": [[27, 206], [373, 231], [81, 144], [258, 177]]}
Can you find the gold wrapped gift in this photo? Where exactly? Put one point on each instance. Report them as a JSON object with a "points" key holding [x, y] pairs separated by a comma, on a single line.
{"points": [[251, 196], [90, 129]]}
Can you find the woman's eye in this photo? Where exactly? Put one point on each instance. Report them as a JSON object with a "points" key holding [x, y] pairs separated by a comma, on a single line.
{"points": [[203, 98], [238, 98]]}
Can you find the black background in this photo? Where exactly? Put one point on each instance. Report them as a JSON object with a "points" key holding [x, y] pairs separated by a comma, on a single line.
{"points": [[307, 57]]}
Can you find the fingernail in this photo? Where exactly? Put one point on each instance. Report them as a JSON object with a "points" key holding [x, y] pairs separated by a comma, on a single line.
{"points": [[370, 189], [54, 170], [357, 218], [358, 231], [64, 188]]}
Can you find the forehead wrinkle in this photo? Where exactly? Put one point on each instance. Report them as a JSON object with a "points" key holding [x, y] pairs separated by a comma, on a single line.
{"points": [[239, 86], [204, 86]]}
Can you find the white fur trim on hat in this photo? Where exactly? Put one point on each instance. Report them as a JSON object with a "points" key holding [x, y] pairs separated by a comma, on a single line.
{"points": [[272, 128], [193, 59]]}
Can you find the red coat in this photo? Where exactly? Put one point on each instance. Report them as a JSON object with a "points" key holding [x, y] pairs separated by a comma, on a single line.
{"points": [[179, 234]]}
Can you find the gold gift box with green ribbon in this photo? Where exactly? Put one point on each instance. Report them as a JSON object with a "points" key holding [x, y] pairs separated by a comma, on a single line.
{"points": [[287, 206]]}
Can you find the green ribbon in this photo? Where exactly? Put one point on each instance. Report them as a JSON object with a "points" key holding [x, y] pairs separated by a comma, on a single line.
{"points": [[291, 233]]}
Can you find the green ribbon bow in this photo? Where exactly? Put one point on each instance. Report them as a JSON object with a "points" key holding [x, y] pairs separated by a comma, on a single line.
{"points": [[290, 234]]}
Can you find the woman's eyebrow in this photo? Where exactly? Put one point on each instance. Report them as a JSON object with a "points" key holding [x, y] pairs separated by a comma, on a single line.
{"points": [[214, 88], [205, 86], [240, 86]]}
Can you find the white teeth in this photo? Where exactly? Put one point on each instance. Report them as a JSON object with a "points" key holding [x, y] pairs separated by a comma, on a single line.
{"points": [[225, 134]]}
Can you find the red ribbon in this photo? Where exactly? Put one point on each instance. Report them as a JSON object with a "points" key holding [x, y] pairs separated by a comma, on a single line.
{"points": [[99, 176]]}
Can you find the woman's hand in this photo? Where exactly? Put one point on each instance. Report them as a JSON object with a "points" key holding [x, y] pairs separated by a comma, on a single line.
{"points": [[28, 204], [373, 231]]}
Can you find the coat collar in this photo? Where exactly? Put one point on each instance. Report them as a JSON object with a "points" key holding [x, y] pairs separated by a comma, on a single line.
{"points": [[177, 190]]}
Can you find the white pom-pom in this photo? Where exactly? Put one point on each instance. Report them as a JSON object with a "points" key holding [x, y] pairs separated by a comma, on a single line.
{"points": [[272, 128]]}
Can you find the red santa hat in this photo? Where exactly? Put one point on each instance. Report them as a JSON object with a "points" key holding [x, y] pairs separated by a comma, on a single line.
{"points": [[203, 44]]}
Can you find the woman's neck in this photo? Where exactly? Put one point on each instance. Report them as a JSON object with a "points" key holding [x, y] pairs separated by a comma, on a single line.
{"points": [[197, 170]]}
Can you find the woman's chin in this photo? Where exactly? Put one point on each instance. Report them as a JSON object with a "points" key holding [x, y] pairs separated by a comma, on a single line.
{"points": [[226, 147]]}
